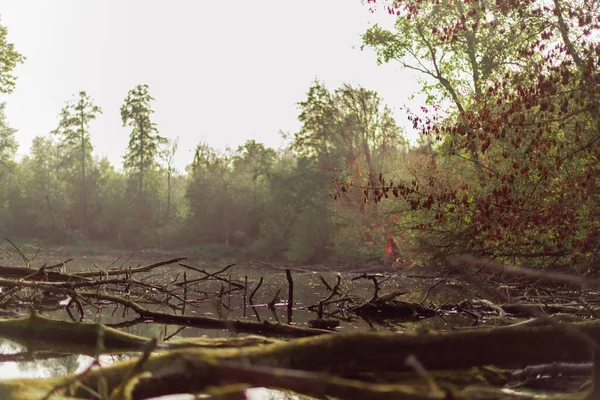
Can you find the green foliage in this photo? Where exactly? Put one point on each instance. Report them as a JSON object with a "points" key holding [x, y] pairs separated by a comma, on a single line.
{"points": [[8, 143], [515, 174], [76, 144], [343, 129], [250, 201], [9, 59], [8, 148], [37, 203], [210, 196], [144, 139], [457, 46], [72, 128]]}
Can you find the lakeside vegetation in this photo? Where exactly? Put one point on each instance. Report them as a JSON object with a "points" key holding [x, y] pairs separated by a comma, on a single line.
{"points": [[506, 166], [500, 199], [255, 200]]}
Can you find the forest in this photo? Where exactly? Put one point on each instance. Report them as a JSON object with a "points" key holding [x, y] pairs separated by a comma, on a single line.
{"points": [[496, 207], [251, 202]]}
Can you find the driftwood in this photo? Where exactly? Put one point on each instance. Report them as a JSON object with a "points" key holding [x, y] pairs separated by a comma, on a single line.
{"points": [[193, 373], [526, 310]]}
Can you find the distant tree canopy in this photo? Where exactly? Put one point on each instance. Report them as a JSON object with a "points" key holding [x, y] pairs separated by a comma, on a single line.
{"points": [[253, 201]]}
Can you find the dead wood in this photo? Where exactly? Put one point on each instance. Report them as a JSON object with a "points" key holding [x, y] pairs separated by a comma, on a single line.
{"points": [[129, 271], [210, 275], [343, 355], [38, 275], [266, 328], [42, 334]]}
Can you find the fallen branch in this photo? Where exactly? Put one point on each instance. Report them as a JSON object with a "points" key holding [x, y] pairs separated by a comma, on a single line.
{"points": [[130, 271], [265, 329]]}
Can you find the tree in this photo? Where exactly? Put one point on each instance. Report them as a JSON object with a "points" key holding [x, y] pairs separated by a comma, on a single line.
{"points": [[528, 131], [8, 148], [251, 173], [167, 154], [36, 200], [210, 196], [349, 135], [8, 143], [9, 59], [144, 140], [343, 129], [72, 129], [457, 46]]}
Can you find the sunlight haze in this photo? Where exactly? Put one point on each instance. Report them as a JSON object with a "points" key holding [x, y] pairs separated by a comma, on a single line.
{"points": [[220, 72]]}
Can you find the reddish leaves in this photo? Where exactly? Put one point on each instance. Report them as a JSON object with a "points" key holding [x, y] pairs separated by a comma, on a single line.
{"points": [[532, 138]]}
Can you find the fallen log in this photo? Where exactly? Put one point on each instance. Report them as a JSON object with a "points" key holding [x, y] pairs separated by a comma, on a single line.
{"points": [[38, 333], [343, 355]]}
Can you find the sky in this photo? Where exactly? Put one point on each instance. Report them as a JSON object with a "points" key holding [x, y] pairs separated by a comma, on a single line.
{"points": [[220, 72]]}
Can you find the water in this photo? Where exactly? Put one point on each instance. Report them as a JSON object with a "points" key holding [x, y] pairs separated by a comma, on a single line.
{"points": [[308, 290]]}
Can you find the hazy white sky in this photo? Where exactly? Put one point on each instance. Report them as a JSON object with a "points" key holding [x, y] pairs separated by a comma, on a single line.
{"points": [[220, 71]]}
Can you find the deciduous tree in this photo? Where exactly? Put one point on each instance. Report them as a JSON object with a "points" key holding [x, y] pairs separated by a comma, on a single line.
{"points": [[529, 129], [9, 59]]}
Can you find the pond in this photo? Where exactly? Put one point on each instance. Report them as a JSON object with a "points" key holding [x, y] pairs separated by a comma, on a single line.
{"points": [[215, 299]]}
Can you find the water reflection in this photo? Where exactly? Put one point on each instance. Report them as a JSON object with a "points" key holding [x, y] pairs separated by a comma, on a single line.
{"points": [[40, 367], [308, 290]]}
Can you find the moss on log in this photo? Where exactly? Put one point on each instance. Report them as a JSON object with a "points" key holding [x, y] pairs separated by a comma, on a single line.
{"points": [[348, 355], [345, 353], [39, 333]]}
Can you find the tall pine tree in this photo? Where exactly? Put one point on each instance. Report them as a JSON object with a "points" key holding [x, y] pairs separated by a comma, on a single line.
{"points": [[144, 139], [72, 129]]}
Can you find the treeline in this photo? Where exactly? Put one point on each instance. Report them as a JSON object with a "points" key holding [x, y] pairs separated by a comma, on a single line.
{"points": [[508, 167], [269, 204]]}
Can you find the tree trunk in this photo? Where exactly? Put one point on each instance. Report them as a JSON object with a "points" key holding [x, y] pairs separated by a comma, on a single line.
{"points": [[83, 191], [141, 188], [168, 195]]}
